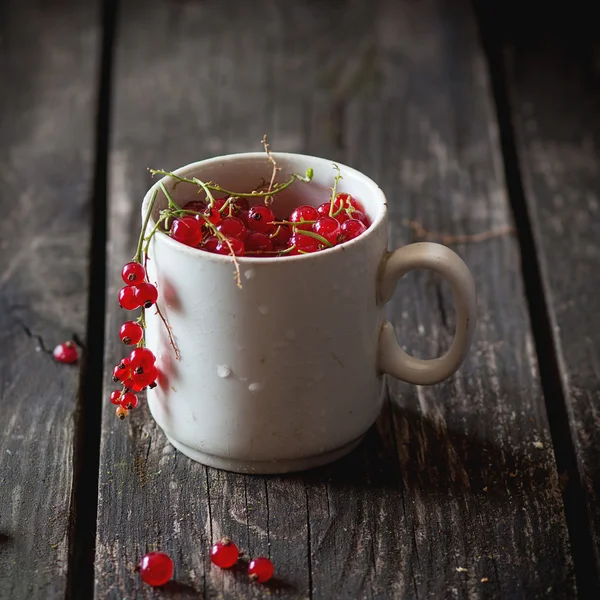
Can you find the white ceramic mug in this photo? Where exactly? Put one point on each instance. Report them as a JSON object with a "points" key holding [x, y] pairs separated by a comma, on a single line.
{"points": [[285, 373]]}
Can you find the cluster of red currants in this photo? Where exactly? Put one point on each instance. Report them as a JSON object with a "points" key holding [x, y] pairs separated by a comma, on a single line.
{"points": [[156, 568], [231, 227], [137, 371]]}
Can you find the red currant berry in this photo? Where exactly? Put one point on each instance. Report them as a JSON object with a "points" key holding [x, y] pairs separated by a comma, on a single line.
{"points": [[260, 219], [244, 215], [323, 209], [146, 294], [131, 333], [258, 242], [156, 568], [281, 236], [224, 554], [133, 273], [210, 245], [132, 385], [122, 371], [349, 201], [214, 216], [66, 353], [115, 397], [143, 377], [360, 216], [187, 230], [241, 204], [236, 246], [128, 299], [351, 229], [342, 217], [220, 203], [121, 412], [328, 228], [260, 569], [304, 213], [129, 400], [196, 206], [233, 227], [304, 244], [142, 357]]}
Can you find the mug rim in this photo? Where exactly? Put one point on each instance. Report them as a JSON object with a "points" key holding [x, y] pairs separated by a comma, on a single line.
{"points": [[227, 259]]}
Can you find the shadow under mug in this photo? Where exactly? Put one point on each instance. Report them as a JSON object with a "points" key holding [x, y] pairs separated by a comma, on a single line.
{"points": [[285, 373]]}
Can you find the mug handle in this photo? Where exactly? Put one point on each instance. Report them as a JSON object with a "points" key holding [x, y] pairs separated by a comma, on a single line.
{"points": [[426, 255]]}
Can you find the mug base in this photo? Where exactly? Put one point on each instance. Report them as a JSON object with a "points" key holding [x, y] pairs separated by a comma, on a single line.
{"points": [[265, 467]]}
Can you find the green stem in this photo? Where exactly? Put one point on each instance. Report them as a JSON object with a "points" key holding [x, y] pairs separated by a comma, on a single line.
{"points": [[293, 223], [204, 186], [138, 254], [316, 236], [217, 188], [172, 203], [163, 217], [334, 189]]}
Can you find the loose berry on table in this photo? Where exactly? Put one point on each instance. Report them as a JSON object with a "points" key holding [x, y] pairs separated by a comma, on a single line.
{"points": [[260, 569], [224, 554], [156, 568], [66, 353]]}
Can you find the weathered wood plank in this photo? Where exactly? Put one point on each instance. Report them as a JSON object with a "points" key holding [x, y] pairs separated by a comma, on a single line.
{"points": [[48, 68], [555, 97], [455, 493]]}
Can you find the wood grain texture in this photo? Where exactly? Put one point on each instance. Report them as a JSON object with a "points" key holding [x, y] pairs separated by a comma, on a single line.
{"points": [[455, 492], [556, 101], [48, 56]]}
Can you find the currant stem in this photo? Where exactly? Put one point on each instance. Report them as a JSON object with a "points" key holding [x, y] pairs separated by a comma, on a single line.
{"points": [[138, 254], [169, 331], [316, 236], [217, 188], [334, 189]]}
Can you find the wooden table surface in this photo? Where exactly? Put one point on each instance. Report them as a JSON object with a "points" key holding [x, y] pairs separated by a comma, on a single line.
{"points": [[482, 128]]}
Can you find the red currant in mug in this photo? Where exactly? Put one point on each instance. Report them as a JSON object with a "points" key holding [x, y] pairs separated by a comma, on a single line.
{"points": [[328, 228], [351, 229], [304, 244], [260, 218], [187, 230], [304, 213], [258, 242]]}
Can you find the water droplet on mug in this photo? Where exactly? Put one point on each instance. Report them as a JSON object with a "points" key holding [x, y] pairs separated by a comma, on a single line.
{"points": [[249, 274], [263, 310], [223, 371], [255, 387]]}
